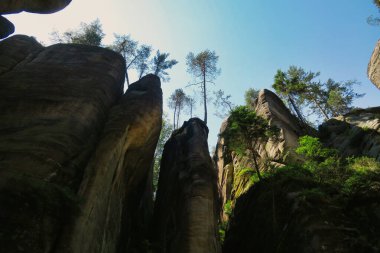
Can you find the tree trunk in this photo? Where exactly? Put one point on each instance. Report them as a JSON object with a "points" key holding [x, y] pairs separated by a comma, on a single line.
{"points": [[178, 113], [175, 109], [299, 114], [204, 97], [257, 166], [126, 77], [320, 108]]}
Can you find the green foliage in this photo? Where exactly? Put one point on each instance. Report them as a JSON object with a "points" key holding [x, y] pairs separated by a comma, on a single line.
{"points": [[364, 175], [302, 92], [250, 95], [312, 148], [246, 129], [227, 209], [161, 63], [87, 34]]}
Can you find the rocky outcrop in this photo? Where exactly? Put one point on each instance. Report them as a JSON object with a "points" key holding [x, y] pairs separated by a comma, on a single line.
{"points": [[6, 27], [232, 183], [373, 70], [186, 207], [33, 6], [291, 212], [75, 154], [118, 173], [354, 134]]}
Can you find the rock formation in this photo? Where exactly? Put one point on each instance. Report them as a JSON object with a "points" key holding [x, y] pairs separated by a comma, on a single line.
{"points": [[117, 175], [75, 154], [295, 209], [354, 134], [373, 70], [33, 6], [229, 163], [290, 212], [186, 207]]}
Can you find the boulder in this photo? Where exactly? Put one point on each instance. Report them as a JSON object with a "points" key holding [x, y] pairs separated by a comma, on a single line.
{"points": [[6, 27], [356, 133], [54, 104], [373, 70], [292, 212], [33, 6], [186, 207]]}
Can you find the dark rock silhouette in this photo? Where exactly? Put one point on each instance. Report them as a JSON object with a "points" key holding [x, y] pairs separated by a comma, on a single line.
{"points": [[75, 153], [186, 207], [33, 6]]}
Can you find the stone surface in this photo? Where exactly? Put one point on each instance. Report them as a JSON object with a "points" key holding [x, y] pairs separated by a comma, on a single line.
{"points": [[118, 175], [373, 70], [229, 164], [186, 207], [354, 134], [34, 6], [6, 27], [54, 104], [288, 213]]}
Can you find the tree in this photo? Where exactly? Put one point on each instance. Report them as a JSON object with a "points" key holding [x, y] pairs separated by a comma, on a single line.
{"points": [[160, 64], [87, 34], [246, 129], [291, 85], [340, 96], [191, 105], [177, 101], [223, 104], [135, 56], [250, 95], [374, 20], [203, 67]]}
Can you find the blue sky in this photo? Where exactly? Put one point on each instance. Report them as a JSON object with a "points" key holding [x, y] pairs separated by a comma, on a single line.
{"points": [[253, 38]]}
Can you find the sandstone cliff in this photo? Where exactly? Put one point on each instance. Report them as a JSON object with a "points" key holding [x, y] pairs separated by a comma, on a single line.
{"points": [[355, 133], [186, 207], [373, 70], [75, 153], [297, 209], [229, 164]]}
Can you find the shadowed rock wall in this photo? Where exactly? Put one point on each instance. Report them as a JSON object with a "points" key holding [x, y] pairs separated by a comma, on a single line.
{"points": [[75, 153], [186, 207]]}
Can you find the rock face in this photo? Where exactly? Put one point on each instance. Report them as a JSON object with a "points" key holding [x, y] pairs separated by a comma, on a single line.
{"points": [[354, 134], [33, 6], [186, 207], [117, 175], [6, 27], [70, 141], [229, 164], [291, 212], [373, 70]]}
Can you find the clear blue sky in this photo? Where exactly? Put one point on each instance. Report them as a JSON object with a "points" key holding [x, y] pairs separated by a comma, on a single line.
{"points": [[253, 38]]}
